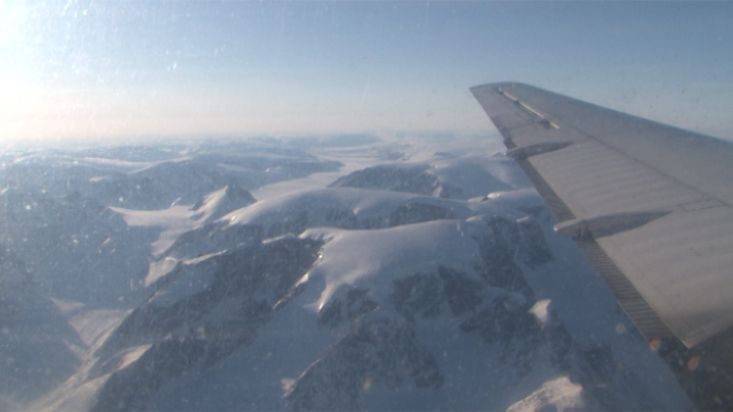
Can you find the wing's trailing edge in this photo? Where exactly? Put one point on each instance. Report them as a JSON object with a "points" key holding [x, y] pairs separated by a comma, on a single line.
{"points": [[650, 204]]}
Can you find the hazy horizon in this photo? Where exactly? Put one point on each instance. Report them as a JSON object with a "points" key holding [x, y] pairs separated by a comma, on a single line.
{"points": [[102, 70]]}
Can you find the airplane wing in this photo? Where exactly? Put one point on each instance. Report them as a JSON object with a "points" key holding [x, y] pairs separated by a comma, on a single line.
{"points": [[650, 205]]}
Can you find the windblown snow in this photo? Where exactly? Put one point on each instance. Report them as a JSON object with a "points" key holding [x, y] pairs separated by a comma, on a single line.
{"points": [[343, 273]]}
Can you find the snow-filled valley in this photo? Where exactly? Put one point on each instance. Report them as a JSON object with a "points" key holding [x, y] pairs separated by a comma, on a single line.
{"points": [[341, 273]]}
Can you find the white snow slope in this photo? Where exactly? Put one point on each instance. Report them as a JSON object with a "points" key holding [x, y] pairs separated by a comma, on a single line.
{"points": [[423, 276]]}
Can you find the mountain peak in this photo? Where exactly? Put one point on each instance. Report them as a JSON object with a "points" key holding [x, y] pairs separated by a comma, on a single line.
{"points": [[234, 191], [220, 202]]}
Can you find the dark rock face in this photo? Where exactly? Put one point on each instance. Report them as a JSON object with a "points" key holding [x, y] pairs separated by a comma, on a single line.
{"points": [[418, 296], [379, 349], [131, 388], [510, 244], [34, 336], [75, 247], [417, 212], [412, 179], [213, 237], [455, 179], [354, 303], [187, 336]]}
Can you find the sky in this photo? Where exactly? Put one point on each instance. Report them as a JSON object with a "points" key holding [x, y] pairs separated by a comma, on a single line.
{"points": [[111, 69]]}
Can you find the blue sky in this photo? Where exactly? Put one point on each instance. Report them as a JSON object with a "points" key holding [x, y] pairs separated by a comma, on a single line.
{"points": [[106, 69]]}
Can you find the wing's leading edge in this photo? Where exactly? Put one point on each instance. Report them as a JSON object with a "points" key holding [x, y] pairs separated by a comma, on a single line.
{"points": [[650, 204]]}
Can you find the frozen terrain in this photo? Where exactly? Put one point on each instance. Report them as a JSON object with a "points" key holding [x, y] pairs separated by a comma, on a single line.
{"points": [[341, 273]]}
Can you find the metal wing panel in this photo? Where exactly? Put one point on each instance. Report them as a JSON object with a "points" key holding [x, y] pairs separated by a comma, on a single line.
{"points": [[693, 159], [681, 264], [595, 180], [673, 274]]}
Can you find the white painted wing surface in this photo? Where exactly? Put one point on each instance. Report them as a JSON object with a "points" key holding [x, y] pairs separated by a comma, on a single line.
{"points": [[650, 204]]}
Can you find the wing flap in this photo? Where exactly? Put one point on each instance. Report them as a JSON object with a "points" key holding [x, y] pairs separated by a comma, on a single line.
{"points": [[681, 266], [595, 180]]}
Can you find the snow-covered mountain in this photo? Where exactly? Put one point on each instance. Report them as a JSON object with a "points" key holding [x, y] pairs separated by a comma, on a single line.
{"points": [[184, 180], [442, 176], [75, 247], [38, 349], [156, 177], [421, 276]]}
